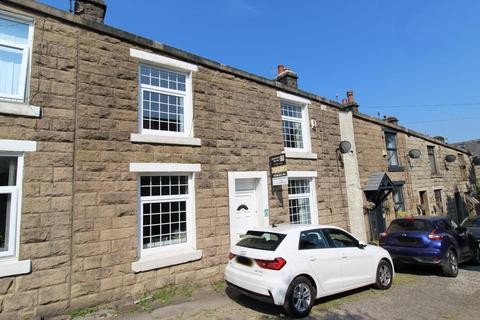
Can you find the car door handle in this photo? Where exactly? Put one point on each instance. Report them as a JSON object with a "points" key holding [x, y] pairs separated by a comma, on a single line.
{"points": [[344, 257], [312, 259]]}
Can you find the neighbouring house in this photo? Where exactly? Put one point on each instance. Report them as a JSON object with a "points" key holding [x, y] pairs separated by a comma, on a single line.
{"points": [[129, 165], [473, 146], [402, 172]]}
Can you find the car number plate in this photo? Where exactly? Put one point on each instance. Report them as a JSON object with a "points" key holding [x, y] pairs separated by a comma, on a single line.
{"points": [[245, 261]]}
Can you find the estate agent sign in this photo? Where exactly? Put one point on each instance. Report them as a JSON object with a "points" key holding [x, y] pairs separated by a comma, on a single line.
{"points": [[278, 170]]}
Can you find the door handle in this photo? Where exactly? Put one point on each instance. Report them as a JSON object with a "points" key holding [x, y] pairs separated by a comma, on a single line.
{"points": [[312, 259], [344, 257]]}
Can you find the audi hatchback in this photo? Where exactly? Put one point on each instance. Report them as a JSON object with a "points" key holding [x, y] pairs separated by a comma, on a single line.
{"points": [[292, 265]]}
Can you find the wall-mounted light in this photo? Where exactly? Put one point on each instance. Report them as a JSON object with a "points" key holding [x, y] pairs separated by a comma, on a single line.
{"points": [[450, 158], [414, 153], [345, 147]]}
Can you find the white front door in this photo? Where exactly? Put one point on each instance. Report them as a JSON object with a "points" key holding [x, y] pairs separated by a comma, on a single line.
{"points": [[244, 215]]}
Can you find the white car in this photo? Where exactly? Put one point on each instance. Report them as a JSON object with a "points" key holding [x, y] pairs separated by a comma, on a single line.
{"points": [[292, 265]]}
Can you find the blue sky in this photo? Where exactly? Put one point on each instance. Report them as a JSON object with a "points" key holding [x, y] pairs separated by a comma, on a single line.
{"points": [[405, 53]]}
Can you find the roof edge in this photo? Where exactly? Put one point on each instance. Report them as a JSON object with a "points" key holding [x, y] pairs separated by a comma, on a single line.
{"points": [[411, 132]]}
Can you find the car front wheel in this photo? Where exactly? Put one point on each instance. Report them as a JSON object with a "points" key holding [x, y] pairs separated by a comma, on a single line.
{"points": [[450, 268], [300, 297], [384, 275]]}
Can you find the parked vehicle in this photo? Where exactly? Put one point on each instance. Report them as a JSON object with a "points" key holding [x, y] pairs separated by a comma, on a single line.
{"points": [[434, 240], [292, 265], [473, 226]]}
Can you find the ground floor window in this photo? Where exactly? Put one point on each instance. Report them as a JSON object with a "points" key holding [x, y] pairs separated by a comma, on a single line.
{"points": [[8, 203], [398, 199], [166, 210], [300, 200], [438, 202]]}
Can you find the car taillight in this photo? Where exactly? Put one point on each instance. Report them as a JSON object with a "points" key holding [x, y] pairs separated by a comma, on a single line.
{"points": [[383, 235], [231, 256], [275, 264], [434, 235]]}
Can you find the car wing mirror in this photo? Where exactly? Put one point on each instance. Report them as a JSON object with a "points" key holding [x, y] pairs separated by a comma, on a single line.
{"points": [[361, 244]]}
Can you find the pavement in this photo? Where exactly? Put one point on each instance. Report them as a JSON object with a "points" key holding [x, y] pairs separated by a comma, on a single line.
{"points": [[417, 293]]}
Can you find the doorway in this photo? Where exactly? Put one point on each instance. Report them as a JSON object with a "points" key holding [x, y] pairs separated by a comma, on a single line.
{"points": [[248, 202]]}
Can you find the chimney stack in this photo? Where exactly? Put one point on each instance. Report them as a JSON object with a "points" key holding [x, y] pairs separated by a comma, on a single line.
{"points": [[392, 120], [350, 103], [439, 138], [91, 9], [287, 76]]}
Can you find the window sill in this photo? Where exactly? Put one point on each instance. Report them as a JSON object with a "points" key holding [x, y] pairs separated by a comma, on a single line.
{"points": [[165, 260], [150, 138], [20, 109], [14, 267], [301, 155], [395, 169]]}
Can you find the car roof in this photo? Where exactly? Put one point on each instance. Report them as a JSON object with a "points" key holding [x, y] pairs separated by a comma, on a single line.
{"points": [[288, 228], [428, 218]]}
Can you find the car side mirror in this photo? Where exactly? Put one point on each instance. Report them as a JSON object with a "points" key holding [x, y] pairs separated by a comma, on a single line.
{"points": [[361, 244]]}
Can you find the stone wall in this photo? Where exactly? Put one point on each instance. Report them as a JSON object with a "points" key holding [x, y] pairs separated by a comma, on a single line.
{"points": [[79, 220]]}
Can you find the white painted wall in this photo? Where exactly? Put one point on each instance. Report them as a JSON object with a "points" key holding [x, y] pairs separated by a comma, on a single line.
{"points": [[352, 178]]}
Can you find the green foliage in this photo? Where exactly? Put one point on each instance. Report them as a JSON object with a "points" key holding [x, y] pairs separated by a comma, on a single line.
{"points": [[82, 312]]}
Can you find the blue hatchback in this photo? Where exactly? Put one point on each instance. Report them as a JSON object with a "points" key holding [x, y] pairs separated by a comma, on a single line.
{"points": [[432, 240]]}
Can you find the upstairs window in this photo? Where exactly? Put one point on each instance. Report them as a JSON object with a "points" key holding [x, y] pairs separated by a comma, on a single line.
{"points": [[392, 154], [292, 123], [15, 45], [431, 159], [164, 96]]}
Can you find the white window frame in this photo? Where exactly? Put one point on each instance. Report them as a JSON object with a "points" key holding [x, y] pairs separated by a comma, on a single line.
{"points": [[306, 139], [190, 216], [9, 260], [158, 136], [26, 56], [310, 176], [163, 256]]}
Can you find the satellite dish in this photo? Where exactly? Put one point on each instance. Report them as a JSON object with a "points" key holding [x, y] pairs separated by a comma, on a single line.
{"points": [[476, 161], [450, 158], [414, 153], [345, 147]]}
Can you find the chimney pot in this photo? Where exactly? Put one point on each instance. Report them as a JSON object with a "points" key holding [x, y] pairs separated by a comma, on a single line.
{"points": [[350, 96], [91, 9], [281, 68], [344, 101]]}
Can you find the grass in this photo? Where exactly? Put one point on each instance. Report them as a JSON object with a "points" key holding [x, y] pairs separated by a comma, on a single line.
{"points": [[219, 286], [82, 312]]}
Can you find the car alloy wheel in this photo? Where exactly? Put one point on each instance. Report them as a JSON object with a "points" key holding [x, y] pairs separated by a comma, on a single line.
{"points": [[385, 275], [452, 259], [301, 297]]}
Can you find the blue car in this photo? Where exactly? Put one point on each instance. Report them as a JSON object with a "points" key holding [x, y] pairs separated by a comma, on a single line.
{"points": [[436, 241]]}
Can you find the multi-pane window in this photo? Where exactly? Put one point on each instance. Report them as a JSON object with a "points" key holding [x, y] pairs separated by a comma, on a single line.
{"points": [[14, 55], [391, 144], [300, 200], [463, 166], [438, 201], [8, 204], [165, 202], [398, 200], [163, 95], [292, 124], [431, 159]]}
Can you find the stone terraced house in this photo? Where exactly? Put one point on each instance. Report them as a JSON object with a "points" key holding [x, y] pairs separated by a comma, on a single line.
{"points": [[127, 165]]}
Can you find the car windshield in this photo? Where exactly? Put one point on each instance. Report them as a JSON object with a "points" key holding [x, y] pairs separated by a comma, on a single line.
{"points": [[261, 240], [402, 225], [469, 223]]}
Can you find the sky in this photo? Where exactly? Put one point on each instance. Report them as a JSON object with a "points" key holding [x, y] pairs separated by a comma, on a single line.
{"points": [[416, 60]]}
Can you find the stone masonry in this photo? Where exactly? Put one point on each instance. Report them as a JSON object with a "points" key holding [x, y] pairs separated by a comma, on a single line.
{"points": [[79, 218]]}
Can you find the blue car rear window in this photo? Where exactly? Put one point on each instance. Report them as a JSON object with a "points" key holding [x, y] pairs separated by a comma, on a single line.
{"points": [[403, 225]]}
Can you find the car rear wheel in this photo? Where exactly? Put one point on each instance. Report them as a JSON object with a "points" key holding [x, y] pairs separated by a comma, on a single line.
{"points": [[300, 297], [384, 275], [450, 268]]}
